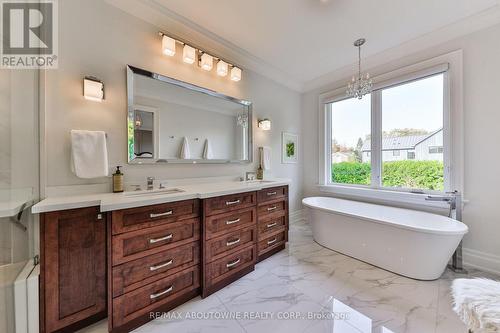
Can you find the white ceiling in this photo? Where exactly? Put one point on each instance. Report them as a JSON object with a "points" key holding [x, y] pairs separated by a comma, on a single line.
{"points": [[302, 40]]}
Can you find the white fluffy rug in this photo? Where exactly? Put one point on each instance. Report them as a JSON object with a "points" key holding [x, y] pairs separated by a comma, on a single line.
{"points": [[477, 303]]}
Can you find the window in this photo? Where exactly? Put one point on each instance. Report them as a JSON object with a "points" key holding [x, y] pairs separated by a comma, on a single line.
{"points": [[436, 150], [350, 128], [393, 139], [412, 118]]}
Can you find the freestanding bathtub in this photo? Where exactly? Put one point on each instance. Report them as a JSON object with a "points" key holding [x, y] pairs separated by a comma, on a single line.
{"points": [[407, 242]]}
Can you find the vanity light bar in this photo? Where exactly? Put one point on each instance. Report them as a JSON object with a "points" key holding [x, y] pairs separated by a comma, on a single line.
{"points": [[205, 60]]}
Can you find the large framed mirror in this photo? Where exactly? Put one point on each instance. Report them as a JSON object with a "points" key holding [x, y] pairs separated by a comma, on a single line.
{"points": [[170, 121]]}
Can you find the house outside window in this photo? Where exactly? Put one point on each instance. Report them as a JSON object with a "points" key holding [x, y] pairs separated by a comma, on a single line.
{"points": [[411, 155]]}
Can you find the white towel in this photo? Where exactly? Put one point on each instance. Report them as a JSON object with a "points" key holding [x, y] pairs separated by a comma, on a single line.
{"points": [[89, 154], [184, 153], [265, 158], [207, 150]]}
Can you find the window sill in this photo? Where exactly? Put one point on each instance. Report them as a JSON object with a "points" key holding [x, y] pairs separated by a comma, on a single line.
{"points": [[382, 196]]}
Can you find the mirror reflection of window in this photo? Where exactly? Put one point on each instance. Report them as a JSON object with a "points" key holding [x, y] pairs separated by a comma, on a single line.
{"points": [[143, 134]]}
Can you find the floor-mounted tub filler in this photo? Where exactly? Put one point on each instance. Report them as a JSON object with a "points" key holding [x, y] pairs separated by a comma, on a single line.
{"points": [[407, 242]]}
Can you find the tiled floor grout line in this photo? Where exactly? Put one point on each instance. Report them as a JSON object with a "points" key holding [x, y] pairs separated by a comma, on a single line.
{"points": [[228, 310]]}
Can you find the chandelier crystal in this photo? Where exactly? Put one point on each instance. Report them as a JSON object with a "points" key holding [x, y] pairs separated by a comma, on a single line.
{"points": [[362, 84]]}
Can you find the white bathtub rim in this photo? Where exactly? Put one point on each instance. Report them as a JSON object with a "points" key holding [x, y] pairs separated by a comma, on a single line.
{"points": [[462, 231]]}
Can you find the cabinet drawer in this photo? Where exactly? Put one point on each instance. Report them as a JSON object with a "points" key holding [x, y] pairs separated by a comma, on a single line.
{"points": [[219, 247], [231, 264], [132, 219], [272, 193], [140, 272], [270, 224], [141, 301], [137, 244], [229, 203], [271, 242], [274, 207], [217, 225]]}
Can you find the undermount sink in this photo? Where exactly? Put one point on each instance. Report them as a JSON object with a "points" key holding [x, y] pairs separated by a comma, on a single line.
{"points": [[153, 192]]}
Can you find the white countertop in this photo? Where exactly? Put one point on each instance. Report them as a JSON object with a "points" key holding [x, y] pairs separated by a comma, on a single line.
{"points": [[114, 201], [12, 200], [12, 208]]}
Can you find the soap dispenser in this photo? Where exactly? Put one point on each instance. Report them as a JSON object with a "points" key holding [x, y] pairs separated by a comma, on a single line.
{"points": [[118, 180]]}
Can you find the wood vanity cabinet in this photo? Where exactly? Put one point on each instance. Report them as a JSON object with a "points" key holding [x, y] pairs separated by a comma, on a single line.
{"points": [[229, 239], [73, 269], [272, 221], [153, 261], [139, 261]]}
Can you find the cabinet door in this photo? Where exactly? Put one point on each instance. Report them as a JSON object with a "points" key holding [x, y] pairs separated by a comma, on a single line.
{"points": [[73, 268]]}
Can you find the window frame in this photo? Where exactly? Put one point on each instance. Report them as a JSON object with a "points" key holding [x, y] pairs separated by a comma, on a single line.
{"points": [[451, 66], [439, 150]]}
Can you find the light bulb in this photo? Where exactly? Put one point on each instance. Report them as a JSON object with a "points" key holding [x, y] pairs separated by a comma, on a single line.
{"points": [[168, 46], [235, 74], [207, 62], [188, 54], [222, 68]]}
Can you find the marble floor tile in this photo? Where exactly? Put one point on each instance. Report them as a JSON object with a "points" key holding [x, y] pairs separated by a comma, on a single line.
{"points": [[306, 287]]}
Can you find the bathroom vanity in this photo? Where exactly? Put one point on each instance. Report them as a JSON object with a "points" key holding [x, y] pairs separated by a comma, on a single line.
{"points": [[130, 256]]}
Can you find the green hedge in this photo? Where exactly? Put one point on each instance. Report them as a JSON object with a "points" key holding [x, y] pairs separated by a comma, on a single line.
{"points": [[409, 174]]}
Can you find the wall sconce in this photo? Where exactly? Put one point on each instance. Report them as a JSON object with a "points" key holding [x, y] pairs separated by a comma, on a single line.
{"points": [[168, 46], [222, 68], [264, 124], [205, 60], [93, 89], [188, 54], [235, 74]]}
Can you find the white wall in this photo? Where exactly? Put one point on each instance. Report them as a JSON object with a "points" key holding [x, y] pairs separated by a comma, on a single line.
{"points": [[481, 52], [97, 39]]}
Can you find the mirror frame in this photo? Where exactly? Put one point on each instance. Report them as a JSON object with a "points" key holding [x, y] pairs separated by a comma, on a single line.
{"points": [[131, 70]]}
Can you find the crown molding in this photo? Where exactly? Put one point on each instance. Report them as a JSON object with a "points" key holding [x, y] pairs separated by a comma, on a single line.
{"points": [[179, 26], [464, 27]]}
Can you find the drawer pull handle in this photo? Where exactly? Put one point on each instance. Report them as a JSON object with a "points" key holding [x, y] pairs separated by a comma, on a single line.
{"points": [[272, 241], [270, 225], [233, 242], [271, 193], [154, 268], [234, 263], [156, 240], [233, 221], [229, 203], [272, 208], [169, 289], [152, 215]]}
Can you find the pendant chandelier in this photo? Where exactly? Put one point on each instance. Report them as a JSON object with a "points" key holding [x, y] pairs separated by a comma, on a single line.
{"points": [[362, 84]]}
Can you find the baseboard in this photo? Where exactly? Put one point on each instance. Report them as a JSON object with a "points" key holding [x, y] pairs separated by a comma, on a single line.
{"points": [[297, 216], [481, 260]]}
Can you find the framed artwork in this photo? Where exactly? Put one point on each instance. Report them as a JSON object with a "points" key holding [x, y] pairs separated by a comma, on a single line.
{"points": [[289, 147]]}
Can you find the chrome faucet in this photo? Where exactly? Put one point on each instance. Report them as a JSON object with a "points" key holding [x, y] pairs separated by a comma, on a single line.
{"points": [[454, 199], [150, 183]]}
